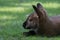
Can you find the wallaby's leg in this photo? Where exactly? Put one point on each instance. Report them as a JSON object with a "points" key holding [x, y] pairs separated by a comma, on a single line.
{"points": [[30, 33]]}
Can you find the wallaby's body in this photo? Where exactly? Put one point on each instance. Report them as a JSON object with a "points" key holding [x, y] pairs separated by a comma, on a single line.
{"points": [[41, 24]]}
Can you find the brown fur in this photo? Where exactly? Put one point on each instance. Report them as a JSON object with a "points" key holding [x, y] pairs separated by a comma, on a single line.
{"points": [[40, 24]]}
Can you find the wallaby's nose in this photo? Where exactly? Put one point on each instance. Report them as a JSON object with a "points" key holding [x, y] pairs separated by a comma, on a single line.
{"points": [[26, 27], [24, 24]]}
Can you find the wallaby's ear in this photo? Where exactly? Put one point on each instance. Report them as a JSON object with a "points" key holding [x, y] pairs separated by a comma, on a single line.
{"points": [[39, 5], [39, 13]]}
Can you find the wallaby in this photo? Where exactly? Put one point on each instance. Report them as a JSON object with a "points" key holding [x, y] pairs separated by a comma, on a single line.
{"points": [[40, 23]]}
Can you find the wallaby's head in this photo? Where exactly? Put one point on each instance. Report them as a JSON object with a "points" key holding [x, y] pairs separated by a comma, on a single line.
{"points": [[34, 19]]}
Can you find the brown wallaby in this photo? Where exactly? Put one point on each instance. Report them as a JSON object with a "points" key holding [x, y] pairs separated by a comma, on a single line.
{"points": [[40, 23]]}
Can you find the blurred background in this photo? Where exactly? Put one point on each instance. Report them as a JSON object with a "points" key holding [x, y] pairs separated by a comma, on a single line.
{"points": [[14, 12]]}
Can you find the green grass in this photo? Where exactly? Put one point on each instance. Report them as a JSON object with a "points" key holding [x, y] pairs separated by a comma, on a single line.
{"points": [[14, 12]]}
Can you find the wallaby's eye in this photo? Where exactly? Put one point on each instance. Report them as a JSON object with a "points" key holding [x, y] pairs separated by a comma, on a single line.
{"points": [[30, 20]]}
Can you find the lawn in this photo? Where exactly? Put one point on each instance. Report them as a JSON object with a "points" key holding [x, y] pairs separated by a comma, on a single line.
{"points": [[14, 12]]}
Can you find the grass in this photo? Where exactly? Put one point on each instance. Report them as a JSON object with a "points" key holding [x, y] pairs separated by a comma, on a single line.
{"points": [[14, 12]]}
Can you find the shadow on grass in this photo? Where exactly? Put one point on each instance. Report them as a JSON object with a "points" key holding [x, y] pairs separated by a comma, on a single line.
{"points": [[16, 3]]}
